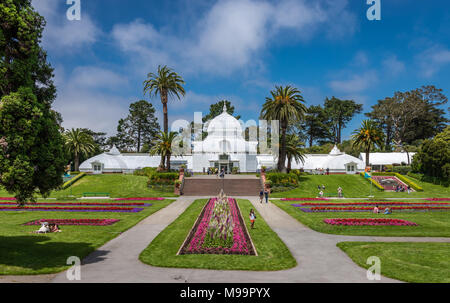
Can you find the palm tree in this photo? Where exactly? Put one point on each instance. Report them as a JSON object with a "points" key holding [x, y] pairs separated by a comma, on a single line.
{"points": [[285, 105], [167, 84], [163, 147], [367, 137], [294, 150], [78, 143]]}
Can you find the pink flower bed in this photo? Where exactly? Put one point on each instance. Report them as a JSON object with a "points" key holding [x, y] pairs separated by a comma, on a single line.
{"points": [[7, 199], [438, 199], [87, 222], [74, 209], [374, 203], [369, 222], [304, 199], [139, 199], [343, 209], [241, 240], [81, 204]]}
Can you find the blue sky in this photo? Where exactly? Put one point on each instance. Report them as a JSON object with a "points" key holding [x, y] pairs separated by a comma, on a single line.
{"points": [[239, 50]]}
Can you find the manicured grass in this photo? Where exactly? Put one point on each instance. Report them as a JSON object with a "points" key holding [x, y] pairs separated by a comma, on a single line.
{"points": [[272, 252], [24, 253], [430, 224], [410, 262], [354, 186], [117, 185]]}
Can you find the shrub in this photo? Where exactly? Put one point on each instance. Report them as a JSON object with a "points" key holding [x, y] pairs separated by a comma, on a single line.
{"points": [[163, 178], [389, 168], [235, 170], [415, 175], [73, 180], [403, 170], [146, 171], [283, 179]]}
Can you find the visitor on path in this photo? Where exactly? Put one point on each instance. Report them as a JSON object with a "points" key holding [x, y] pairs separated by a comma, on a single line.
{"points": [[339, 192], [266, 195], [217, 173], [252, 218], [222, 173], [261, 195], [376, 210], [409, 189]]}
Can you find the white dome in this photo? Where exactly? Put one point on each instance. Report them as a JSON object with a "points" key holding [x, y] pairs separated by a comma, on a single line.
{"points": [[224, 124]]}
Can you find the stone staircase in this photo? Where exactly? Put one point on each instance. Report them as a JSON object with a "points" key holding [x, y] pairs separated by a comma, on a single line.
{"points": [[212, 186]]}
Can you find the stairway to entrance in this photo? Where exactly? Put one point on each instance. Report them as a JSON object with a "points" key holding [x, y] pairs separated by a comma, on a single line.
{"points": [[233, 185]]}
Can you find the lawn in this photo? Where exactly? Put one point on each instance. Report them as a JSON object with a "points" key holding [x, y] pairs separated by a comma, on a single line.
{"points": [[355, 186], [430, 224], [410, 262], [117, 185], [272, 252], [23, 253]]}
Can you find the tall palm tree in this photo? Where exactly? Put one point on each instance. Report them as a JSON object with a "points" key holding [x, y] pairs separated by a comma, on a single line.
{"points": [[163, 147], [78, 143], [166, 83], [294, 150], [367, 137], [285, 105]]}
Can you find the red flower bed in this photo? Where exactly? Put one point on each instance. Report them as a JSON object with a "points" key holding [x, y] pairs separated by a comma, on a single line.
{"points": [[374, 203], [138, 199], [343, 209], [369, 222], [7, 199], [82, 204], [438, 199], [89, 222], [241, 243], [305, 199], [74, 209]]}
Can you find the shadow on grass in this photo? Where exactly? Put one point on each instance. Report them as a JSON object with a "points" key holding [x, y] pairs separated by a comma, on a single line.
{"points": [[37, 252]]}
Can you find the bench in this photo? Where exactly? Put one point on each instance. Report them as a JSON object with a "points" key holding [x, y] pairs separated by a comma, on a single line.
{"points": [[95, 194]]}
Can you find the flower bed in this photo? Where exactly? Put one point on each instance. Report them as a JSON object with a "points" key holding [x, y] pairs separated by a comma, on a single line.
{"points": [[7, 199], [138, 199], [372, 204], [81, 204], [75, 209], [304, 199], [438, 199], [219, 229], [84, 222], [369, 222], [368, 209]]}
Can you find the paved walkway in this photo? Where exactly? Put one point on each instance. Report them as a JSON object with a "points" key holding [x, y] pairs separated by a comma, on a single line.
{"points": [[319, 260]]}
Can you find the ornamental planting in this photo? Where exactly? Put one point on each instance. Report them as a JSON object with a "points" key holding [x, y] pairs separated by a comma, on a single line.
{"points": [[75, 222], [368, 222]]}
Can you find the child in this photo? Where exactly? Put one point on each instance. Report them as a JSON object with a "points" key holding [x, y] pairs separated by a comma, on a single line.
{"points": [[261, 195], [376, 210], [252, 218]]}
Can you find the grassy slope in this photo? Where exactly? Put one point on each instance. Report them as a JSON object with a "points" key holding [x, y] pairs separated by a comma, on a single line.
{"points": [[119, 185], [431, 224], [355, 186], [272, 252], [22, 253], [410, 262]]}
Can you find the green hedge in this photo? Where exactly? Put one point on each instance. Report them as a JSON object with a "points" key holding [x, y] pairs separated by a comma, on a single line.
{"points": [[403, 170], [163, 178], [283, 179], [374, 182], [73, 180], [146, 171]]}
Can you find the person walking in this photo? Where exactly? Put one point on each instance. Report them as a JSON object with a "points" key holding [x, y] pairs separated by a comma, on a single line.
{"points": [[261, 195], [222, 173], [252, 218], [266, 195]]}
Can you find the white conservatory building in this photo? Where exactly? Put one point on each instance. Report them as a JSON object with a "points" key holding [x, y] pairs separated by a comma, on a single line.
{"points": [[224, 147]]}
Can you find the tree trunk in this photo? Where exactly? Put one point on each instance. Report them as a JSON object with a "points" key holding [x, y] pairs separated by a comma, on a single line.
{"points": [[168, 162], [166, 119], [367, 157], [77, 162], [282, 157], [139, 141], [339, 134], [310, 141], [407, 155], [163, 160], [289, 164]]}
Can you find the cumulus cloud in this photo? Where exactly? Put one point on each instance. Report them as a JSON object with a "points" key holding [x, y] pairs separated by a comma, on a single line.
{"points": [[232, 34], [355, 83], [392, 65], [432, 60], [62, 34]]}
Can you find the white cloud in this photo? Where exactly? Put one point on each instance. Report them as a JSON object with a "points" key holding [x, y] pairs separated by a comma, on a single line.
{"points": [[232, 35], [393, 65], [61, 34], [95, 77], [432, 60], [355, 83]]}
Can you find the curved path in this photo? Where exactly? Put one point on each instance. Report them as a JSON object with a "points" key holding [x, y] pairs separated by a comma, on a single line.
{"points": [[318, 258]]}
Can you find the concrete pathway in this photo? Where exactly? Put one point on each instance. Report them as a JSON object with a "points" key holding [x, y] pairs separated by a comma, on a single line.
{"points": [[319, 260]]}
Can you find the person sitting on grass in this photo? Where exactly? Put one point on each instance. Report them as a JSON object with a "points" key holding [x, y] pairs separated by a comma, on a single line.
{"points": [[320, 194], [387, 211], [54, 228], [376, 210], [44, 229], [252, 218]]}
